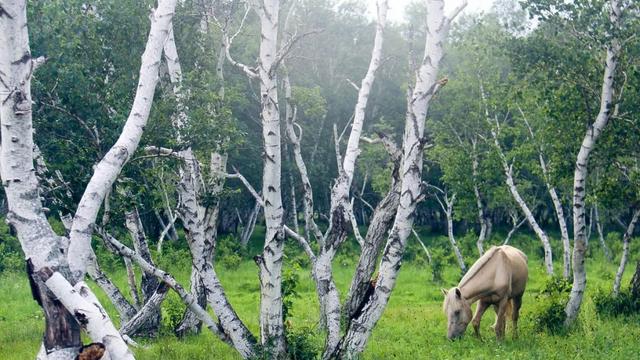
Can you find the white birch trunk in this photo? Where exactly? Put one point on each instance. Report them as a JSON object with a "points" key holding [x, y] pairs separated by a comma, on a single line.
{"points": [[166, 278], [270, 262], [476, 191], [90, 315], [580, 175], [626, 241], [147, 313], [124, 308], [413, 144], [452, 240], [109, 167], [250, 225]]}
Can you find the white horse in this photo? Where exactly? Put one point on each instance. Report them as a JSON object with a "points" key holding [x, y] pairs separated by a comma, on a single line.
{"points": [[498, 278]]}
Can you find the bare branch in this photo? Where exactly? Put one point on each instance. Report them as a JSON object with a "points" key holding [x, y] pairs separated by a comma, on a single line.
{"points": [[303, 242], [246, 183]]}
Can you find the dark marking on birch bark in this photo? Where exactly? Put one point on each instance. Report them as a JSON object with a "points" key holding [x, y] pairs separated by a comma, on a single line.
{"points": [[4, 12]]}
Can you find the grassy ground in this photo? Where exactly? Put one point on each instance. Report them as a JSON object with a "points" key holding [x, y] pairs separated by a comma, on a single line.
{"points": [[413, 326]]}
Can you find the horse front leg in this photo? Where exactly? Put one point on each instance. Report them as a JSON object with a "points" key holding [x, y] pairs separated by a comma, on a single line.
{"points": [[480, 309]]}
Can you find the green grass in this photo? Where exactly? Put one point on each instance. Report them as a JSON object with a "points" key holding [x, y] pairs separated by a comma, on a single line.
{"points": [[413, 326]]}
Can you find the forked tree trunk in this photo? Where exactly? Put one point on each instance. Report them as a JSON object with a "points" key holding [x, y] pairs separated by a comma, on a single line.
{"points": [[360, 327], [557, 204], [580, 175], [452, 240], [513, 189], [626, 241], [43, 249]]}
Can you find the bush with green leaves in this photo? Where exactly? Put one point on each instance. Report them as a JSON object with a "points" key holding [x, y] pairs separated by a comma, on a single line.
{"points": [[300, 344], [172, 310], [610, 304], [439, 259], [11, 258], [548, 311], [290, 280], [229, 253]]}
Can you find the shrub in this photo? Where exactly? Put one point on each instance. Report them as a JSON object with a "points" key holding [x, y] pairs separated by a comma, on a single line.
{"points": [[439, 259], [11, 258], [172, 310], [290, 280], [609, 304], [301, 345], [548, 312], [231, 261], [229, 253]]}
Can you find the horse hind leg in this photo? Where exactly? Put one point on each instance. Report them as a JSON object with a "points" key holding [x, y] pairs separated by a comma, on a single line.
{"points": [[501, 312], [517, 303], [480, 309]]}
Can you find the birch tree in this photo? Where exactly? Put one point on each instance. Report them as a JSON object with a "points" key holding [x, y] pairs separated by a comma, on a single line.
{"points": [[613, 48], [58, 264]]}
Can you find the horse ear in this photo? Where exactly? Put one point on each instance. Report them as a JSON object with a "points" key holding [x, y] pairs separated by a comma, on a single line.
{"points": [[444, 291], [458, 293]]}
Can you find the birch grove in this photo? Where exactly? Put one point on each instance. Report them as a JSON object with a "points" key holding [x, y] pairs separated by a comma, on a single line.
{"points": [[255, 169]]}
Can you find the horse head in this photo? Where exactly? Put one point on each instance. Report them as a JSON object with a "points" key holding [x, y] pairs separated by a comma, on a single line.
{"points": [[458, 311]]}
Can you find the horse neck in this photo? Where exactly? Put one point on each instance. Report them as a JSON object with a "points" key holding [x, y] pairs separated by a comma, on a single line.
{"points": [[471, 290]]}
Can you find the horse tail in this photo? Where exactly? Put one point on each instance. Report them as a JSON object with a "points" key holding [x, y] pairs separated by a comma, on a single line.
{"points": [[508, 313]]}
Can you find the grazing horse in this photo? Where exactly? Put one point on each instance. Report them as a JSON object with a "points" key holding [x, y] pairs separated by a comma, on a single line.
{"points": [[498, 278]]}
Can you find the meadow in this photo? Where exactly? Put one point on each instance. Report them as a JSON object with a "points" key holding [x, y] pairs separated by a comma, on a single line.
{"points": [[413, 326]]}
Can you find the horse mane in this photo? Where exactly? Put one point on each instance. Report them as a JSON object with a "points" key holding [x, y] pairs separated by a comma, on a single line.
{"points": [[479, 264]]}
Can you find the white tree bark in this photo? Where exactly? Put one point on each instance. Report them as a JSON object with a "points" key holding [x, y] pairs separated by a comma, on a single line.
{"points": [[482, 219], [626, 244], [166, 278], [426, 86], [446, 204], [108, 169], [250, 224], [147, 312], [580, 175], [90, 315], [270, 262]]}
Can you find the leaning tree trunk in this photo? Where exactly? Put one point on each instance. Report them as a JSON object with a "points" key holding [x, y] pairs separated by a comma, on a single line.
{"points": [[109, 167], [580, 175], [626, 240], [149, 283], [360, 327]]}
